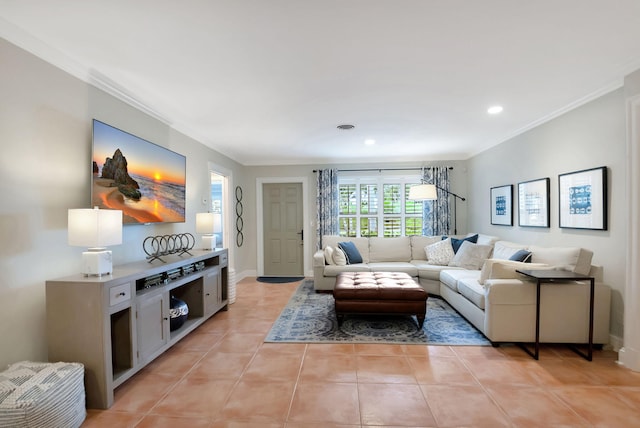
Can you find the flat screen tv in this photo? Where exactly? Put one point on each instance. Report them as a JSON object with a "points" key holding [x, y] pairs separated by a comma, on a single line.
{"points": [[144, 180]]}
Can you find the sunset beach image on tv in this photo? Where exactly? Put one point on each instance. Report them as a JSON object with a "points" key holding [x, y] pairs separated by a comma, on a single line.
{"points": [[144, 180]]}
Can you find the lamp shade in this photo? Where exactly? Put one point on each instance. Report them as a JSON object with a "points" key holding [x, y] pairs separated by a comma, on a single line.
{"points": [[94, 228], [423, 192]]}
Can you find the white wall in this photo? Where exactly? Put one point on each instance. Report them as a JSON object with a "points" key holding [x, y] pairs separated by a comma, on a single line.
{"points": [[45, 137], [458, 185], [590, 136]]}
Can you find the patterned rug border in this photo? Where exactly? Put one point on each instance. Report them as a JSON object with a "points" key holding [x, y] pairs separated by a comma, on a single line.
{"points": [[309, 317]]}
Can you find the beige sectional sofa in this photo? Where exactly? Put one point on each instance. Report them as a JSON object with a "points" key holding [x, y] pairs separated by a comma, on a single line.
{"points": [[493, 297]]}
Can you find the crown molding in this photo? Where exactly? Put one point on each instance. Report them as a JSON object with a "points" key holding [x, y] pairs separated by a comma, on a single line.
{"points": [[66, 63], [611, 86]]}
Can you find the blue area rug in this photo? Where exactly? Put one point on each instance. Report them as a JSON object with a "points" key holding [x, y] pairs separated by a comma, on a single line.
{"points": [[310, 317]]}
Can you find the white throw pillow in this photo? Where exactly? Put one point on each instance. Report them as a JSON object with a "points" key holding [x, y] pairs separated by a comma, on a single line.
{"points": [[440, 253], [505, 249], [328, 255], [470, 256], [339, 257]]}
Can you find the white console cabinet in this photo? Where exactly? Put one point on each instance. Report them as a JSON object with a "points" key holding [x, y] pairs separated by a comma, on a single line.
{"points": [[118, 323]]}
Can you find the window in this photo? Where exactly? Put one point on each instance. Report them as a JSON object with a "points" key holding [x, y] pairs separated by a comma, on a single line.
{"points": [[378, 206], [217, 205]]}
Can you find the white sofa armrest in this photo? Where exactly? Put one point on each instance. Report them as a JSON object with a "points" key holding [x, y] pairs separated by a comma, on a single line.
{"points": [[318, 259], [564, 311]]}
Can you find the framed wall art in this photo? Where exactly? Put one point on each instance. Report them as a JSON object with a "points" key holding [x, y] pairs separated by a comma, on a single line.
{"points": [[533, 203], [502, 205], [583, 199]]}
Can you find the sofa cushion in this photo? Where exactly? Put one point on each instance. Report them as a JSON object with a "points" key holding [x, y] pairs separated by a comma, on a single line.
{"points": [[418, 244], [472, 290], [429, 271], [362, 244], [352, 253], [505, 249], [328, 255], [405, 267], [339, 257], [390, 249], [440, 253], [334, 270], [456, 243], [471, 256], [450, 277], [574, 259], [486, 239]]}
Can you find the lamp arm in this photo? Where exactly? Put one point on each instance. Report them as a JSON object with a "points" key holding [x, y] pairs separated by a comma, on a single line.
{"points": [[450, 193]]}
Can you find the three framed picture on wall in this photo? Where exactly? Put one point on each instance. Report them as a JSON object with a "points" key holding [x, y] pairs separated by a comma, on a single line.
{"points": [[582, 201]]}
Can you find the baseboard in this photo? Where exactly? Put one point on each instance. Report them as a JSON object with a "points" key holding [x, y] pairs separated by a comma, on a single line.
{"points": [[615, 343], [246, 274]]}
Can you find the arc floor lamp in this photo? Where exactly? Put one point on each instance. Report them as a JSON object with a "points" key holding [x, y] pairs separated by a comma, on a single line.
{"points": [[429, 192]]}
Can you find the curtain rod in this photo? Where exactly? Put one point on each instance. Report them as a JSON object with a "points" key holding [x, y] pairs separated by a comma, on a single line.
{"points": [[386, 169]]}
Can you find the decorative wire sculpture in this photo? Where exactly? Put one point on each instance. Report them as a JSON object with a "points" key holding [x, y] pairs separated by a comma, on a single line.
{"points": [[239, 221], [157, 246]]}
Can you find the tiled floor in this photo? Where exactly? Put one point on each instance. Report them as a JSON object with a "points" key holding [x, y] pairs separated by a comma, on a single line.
{"points": [[223, 375]]}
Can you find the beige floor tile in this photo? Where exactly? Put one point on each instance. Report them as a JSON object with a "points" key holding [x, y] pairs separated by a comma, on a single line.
{"points": [[384, 369], [335, 403], [600, 405], [198, 341], [500, 371], [266, 402], [175, 362], [444, 370], [314, 349], [463, 406], [221, 365], [195, 398], [429, 351], [141, 393], [269, 365], [155, 421], [111, 419], [239, 342], [332, 368], [379, 349], [534, 406], [394, 405]]}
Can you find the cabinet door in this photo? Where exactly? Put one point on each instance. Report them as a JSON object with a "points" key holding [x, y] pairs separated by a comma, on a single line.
{"points": [[211, 291], [152, 325]]}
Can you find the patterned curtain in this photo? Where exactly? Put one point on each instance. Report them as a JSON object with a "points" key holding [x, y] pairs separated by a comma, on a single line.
{"points": [[326, 204], [436, 215]]}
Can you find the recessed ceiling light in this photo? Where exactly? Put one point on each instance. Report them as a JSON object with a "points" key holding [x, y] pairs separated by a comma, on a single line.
{"points": [[369, 142], [495, 110], [346, 126]]}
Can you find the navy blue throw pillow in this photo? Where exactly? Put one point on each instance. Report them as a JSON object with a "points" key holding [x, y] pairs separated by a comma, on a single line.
{"points": [[456, 243], [521, 256], [352, 253]]}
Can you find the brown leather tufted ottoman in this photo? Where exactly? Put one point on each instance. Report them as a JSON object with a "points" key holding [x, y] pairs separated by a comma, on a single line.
{"points": [[379, 293]]}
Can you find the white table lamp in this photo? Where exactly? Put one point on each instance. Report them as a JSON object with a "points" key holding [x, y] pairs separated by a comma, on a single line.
{"points": [[208, 224], [95, 229]]}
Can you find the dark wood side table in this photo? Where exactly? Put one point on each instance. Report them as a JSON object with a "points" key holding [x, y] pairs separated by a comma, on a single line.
{"points": [[551, 276]]}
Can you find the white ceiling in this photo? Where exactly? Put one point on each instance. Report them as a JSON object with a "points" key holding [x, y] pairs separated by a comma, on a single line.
{"points": [[267, 82]]}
